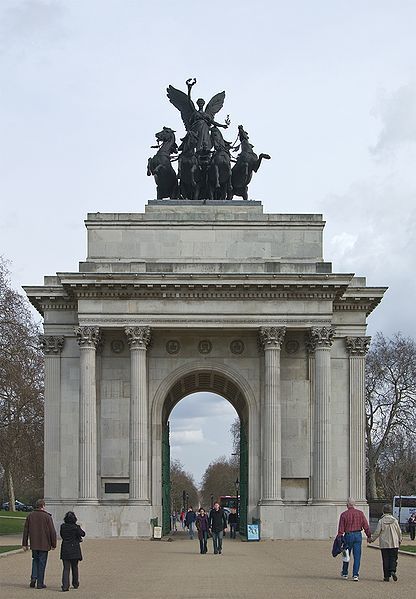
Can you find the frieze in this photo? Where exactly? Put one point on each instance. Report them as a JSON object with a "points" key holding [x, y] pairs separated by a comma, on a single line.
{"points": [[51, 344], [88, 336], [173, 346], [271, 337], [357, 346], [204, 346], [138, 337], [237, 347]]}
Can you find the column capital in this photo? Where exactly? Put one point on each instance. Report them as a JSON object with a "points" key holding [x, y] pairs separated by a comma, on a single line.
{"points": [[357, 346], [51, 344], [271, 337], [88, 336], [320, 337], [138, 337]]}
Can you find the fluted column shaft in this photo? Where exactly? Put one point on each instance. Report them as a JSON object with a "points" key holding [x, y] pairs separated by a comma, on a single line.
{"points": [[271, 340], [88, 339], [321, 341], [357, 348], [139, 339], [52, 347]]}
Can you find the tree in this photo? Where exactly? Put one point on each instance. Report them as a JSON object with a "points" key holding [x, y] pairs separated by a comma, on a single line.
{"points": [[21, 392], [397, 467], [181, 481], [219, 479], [390, 400]]}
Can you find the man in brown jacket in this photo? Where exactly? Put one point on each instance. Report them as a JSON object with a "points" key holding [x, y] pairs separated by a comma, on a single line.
{"points": [[40, 530]]}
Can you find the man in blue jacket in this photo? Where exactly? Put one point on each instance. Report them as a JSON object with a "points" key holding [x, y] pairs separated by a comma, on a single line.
{"points": [[190, 521]]}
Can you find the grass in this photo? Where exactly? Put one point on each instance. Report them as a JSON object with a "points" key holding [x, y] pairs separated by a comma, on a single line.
{"points": [[5, 514], [6, 548], [10, 525], [409, 548]]}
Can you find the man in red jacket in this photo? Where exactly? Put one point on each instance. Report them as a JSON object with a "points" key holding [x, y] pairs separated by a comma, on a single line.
{"points": [[351, 523], [40, 530]]}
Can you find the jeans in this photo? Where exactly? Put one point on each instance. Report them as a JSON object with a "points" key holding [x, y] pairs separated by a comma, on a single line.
{"points": [[389, 557], [191, 530], [39, 559], [203, 541], [217, 541], [73, 565], [354, 541], [233, 529]]}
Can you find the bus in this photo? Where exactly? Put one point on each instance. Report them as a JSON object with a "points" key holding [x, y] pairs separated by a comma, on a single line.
{"points": [[403, 507], [227, 502]]}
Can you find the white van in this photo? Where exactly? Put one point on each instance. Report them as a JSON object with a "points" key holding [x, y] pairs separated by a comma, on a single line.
{"points": [[403, 507]]}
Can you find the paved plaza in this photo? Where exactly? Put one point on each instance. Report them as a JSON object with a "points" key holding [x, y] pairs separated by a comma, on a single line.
{"points": [[131, 569]]}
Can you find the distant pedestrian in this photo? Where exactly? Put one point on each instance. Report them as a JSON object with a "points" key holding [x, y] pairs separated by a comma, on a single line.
{"points": [[202, 526], [40, 532], [218, 525], [412, 526], [190, 521], [182, 518], [174, 521], [351, 523], [71, 534], [233, 522], [390, 536]]}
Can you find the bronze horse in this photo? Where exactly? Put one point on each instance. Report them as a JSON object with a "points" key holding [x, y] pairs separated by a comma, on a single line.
{"points": [[247, 162], [189, 171], [219, 171], [160, 165]]}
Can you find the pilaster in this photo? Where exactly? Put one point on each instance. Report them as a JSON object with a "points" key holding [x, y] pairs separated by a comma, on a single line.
{"points": [[320, 342], [357, 348], [52, 347], [139, 340], [88, 339], [271, 339]]}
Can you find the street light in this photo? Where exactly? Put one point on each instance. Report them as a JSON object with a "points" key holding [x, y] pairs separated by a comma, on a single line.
{"points": [[237, 489], [212, 501]]}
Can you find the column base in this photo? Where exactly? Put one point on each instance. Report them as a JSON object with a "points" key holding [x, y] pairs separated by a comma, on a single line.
{"points": [[144, 502], [271, 502], [87, 501]]}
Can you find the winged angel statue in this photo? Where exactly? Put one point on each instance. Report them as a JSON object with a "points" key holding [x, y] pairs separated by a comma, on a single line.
{"points": [[204, 159]]}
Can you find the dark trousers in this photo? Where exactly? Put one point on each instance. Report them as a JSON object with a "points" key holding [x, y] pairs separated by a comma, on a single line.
{"points": [[203, 536], [39, 559], [73, 565], [389, 557], [233, 529]]}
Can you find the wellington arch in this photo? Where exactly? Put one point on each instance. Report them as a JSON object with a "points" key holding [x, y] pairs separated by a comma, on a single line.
{"points": [[204, 296]]}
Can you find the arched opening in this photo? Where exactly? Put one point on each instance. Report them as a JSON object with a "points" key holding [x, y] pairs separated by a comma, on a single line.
{"points": [[222, 385]]}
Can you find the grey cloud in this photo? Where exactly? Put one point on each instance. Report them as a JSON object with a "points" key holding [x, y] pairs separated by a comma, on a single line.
{"points": [[397, 113]]}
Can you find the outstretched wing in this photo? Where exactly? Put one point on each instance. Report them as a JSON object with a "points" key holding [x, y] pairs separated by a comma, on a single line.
{"points": [[215, 104], [181, 101]]}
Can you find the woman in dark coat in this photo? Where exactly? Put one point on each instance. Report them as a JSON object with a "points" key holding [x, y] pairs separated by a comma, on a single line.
{"points": [[202, 526], [71, 534]]}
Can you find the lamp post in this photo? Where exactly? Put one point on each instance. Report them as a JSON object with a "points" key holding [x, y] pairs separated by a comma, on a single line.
{"points": [[237, 489], [212, 501]]}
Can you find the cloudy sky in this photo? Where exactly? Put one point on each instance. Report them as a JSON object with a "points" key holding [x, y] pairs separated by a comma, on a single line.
{"points": [[328, 88]]}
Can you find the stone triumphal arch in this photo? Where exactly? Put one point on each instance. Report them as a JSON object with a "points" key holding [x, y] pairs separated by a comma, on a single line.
{"points": [[204, 296]]}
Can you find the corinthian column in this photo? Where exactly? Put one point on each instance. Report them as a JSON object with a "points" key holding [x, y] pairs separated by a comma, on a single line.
{"points": [[357, 348], [88, 339], [52, 347], [271, 339], [320, 341], [139, 339]]}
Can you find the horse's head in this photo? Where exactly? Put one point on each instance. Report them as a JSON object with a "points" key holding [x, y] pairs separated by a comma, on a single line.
{"points": [[166, 134], [243, 135]]}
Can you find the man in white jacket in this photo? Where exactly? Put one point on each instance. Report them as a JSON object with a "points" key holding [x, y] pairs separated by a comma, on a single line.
{"points": [[390, 536]]}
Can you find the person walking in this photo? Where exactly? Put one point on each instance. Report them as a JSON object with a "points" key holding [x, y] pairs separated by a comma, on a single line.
{"points": [[71, 534], [202, 526], [40, 532], [412, 526], [233, 522], [390, 536], [217, 525], [351, 523], [190, 521]]}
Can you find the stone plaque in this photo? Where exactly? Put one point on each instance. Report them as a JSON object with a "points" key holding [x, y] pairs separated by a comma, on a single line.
{"points": [[292, 346], [117, 346], [173, 346], [237, 346], [205, 346]]}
